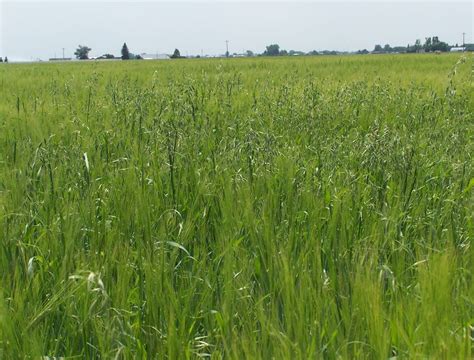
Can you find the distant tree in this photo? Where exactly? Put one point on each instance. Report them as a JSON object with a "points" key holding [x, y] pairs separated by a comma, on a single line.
{"points": [[428, 44], [417, 46], [249, 53], [363, 52], [441, 46], [378, 48], [387, 48], [1, 60], [125, 52], [431, 44], [272, 50], [176, 54], [82, 52], [313, 52], [437, 45], [283, 53], [399, 49], [329, 52], [6, 59], [414, 48], [138, 57]]}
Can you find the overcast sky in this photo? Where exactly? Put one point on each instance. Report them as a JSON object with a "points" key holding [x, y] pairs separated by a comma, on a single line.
{"points": [[40, 29]]}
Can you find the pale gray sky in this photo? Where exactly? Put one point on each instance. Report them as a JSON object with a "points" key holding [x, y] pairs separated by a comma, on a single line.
{"points": [[40, 29]]}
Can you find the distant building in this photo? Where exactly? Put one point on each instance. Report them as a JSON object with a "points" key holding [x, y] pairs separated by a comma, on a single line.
{"points": [[458, 49], [469, 47], [60, 59], [108, 57], [146, 56]]}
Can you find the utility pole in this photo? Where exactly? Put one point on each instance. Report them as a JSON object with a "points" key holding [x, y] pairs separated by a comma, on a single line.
{"points": [[63, 53], [463, 39], [227, 48]]}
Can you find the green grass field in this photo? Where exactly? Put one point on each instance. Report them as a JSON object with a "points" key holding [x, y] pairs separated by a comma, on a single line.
{"points": [[287, 208]]}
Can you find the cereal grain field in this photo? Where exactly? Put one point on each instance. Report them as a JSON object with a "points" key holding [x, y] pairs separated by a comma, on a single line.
{"points": [[287, 208]]}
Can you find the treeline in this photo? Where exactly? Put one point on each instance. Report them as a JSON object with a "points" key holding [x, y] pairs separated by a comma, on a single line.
{"points": [[431, 44], [274, 50], [82, 53]]}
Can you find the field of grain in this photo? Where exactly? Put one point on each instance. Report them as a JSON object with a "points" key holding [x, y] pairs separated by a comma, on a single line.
{"points": [[287, 208]]}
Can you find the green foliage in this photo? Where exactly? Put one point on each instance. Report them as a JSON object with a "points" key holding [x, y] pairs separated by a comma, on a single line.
{"points": [[125, 52], [176, 54], [283, 208], [434, 44], [430, 45], [82, 52], [415, 48], [387, 49], [272, 50]]}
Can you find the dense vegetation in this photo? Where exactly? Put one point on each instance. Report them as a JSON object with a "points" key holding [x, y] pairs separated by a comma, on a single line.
{"points": [[242, 209]]}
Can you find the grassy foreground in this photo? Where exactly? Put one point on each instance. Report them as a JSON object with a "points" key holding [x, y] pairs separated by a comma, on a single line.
{"points": [[244, 209]]}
